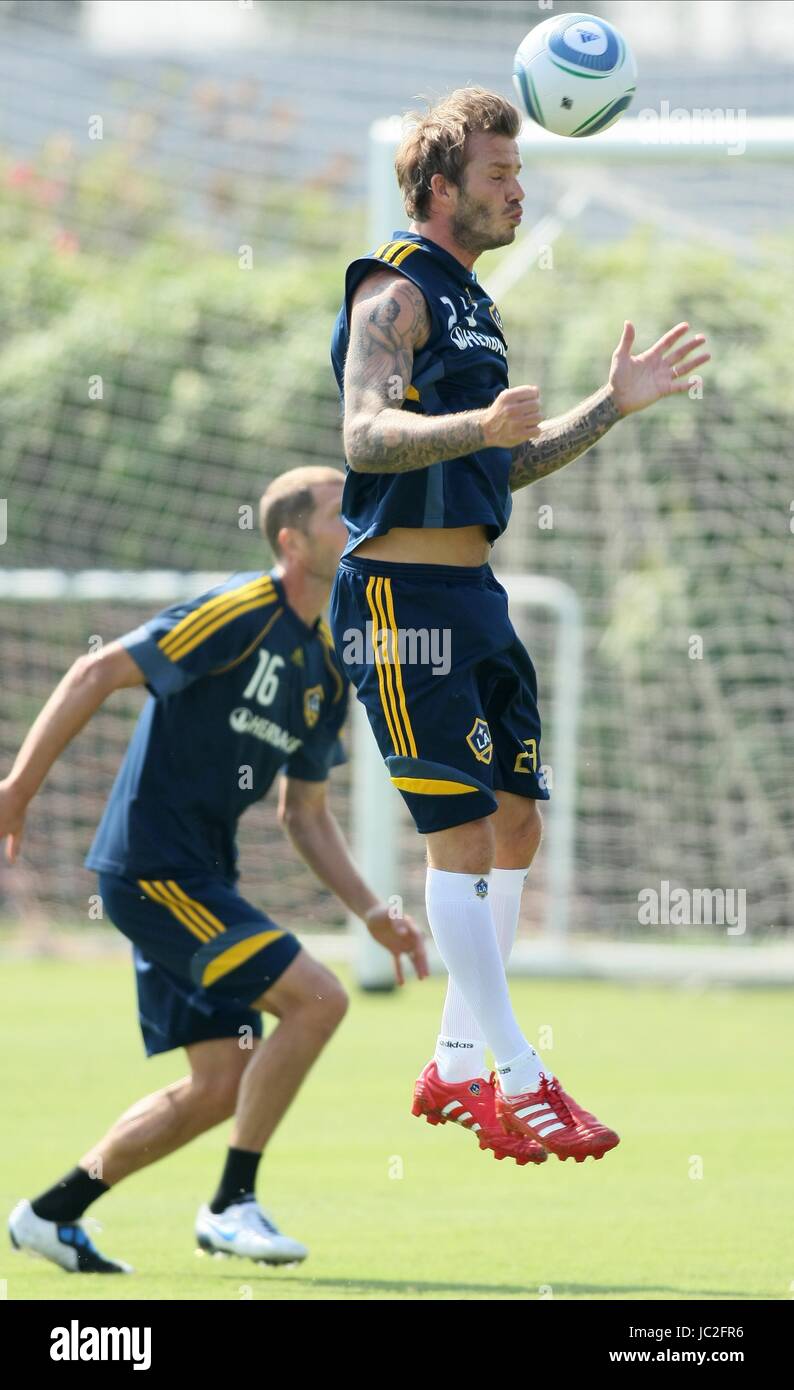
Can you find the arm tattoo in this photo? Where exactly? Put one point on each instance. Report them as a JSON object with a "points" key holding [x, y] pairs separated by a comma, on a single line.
{"points": [[563, 439], [392, 321]]}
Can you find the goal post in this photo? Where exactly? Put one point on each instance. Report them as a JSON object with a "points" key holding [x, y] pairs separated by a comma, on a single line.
{"points": [[653, 138], [129, 595], [49, 617], [48, 613]]}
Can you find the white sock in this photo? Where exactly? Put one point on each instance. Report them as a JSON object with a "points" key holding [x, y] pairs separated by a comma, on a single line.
{"points": [[463, 929], [505, 889], [460, 1048], [521, 1073], [458, 1059]]}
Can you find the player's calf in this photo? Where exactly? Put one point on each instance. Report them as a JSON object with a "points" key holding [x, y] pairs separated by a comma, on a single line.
{"points": [[217, 1067], [310, 1003]]}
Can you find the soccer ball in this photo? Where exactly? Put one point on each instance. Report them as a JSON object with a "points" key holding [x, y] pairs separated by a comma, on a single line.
{"points": [[574, 74]]}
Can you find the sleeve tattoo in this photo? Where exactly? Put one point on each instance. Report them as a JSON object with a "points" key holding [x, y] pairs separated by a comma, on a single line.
{"points": [[391, 321], [563, 439]]}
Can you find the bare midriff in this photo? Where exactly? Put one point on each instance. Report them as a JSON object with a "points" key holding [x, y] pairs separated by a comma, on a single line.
{"points": [[429, 545]]}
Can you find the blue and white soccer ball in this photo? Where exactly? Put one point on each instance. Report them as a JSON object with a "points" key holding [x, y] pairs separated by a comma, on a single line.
{"points": [[574, 74]]}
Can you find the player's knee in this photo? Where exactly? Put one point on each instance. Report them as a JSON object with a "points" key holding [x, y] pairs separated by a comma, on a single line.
{"points": [[307, 992], [463, 849], [327, 1005], [217, 1067], [528, 831], [319, 997]]}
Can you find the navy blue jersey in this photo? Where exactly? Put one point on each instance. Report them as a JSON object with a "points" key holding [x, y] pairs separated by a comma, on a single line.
{"points": [[463, 366], [240, 689]]}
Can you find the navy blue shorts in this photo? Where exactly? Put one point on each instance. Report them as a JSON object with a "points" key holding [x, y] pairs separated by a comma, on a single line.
{"points": [[449, 689], [202, 954]]}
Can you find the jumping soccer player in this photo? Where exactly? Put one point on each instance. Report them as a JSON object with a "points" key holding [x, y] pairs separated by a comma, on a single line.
{"points": [[436, 442], [244, 683]]}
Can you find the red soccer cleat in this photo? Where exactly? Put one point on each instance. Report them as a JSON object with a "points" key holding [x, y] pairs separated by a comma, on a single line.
{"points": [[472, 1104], [556, 1120]]}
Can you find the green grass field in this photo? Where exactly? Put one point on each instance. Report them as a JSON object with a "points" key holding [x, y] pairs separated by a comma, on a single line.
{"points": [[678, 1073]]}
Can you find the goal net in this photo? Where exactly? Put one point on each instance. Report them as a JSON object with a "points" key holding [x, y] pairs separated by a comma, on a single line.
{"points": [[172, 273]]}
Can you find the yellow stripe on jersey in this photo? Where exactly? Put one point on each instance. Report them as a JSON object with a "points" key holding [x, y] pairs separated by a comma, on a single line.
{"points": [[376, 624], [236, 955], [221, 670], [195, 627], [411, 393], [188, 645], [191, 629], [263, 584], [327, 640], [154, 889], [401, 255], [393, 249], [398, 668], [387, 249], [393, 252]]}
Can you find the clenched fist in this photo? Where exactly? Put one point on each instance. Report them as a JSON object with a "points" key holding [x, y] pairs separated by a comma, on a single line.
{"points": [[513, 417]]}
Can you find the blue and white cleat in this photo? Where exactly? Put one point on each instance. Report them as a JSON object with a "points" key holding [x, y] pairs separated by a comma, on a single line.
{"points": [[65, 1243], [245, 1229]]}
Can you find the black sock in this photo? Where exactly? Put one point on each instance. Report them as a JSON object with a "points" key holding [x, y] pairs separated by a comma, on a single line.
{"points": [[70, 1197], [239, 1179]]}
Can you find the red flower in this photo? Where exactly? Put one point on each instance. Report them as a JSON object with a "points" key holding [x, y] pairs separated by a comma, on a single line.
{"points": [[20, 174], [66, 243]]}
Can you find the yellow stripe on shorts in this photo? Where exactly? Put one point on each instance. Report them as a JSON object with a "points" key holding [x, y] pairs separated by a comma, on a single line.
{"points": [[431, 786], [236, 955], [154, 889], [213, 924], [385, 695], [385, 641], [398, 668], [386, 659]]}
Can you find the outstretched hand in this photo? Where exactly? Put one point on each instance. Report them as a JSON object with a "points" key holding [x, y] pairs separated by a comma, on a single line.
{"points": [[400, 936], [662, 370]]}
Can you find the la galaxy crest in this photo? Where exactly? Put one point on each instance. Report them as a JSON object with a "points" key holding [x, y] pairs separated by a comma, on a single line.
{"points": [[496, 316], [479, 740], [312, 700]]}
